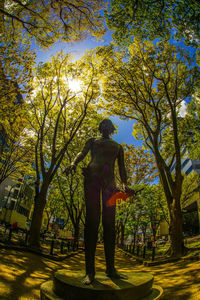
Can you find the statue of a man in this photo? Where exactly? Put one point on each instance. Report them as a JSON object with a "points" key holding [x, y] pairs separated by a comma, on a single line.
{"points": [[99, 180]]}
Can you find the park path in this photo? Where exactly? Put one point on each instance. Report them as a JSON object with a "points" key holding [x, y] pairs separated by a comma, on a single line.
{"points": [[22, 273]]}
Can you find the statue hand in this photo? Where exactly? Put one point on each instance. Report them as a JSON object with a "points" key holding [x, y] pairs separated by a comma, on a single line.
{"points": [[131, 192]]}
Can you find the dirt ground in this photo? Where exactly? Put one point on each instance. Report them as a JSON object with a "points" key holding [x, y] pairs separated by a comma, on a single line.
{"points": [[22, 273]]}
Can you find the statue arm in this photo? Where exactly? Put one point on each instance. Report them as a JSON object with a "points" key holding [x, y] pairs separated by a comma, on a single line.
{"points": [[81, 155], [122, 170]]}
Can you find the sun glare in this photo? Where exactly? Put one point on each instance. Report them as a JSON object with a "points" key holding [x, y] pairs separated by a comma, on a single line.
{"points": [[74, 85]]}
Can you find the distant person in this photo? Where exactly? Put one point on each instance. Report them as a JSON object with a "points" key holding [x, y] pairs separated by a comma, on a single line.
{"points": [[15, 226]]}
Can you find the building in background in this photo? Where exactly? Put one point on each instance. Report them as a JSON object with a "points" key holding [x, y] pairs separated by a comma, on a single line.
{"points": [[16, 199], [187, 165], [190, 208]]}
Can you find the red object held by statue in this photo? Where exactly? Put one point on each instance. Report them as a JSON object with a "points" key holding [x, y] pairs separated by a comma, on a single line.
{"points": [[117, 198]]}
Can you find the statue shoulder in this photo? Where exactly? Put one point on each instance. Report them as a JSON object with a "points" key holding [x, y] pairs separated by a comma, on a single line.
{"points": [[116, 144], [97, 140], [89, 142]]}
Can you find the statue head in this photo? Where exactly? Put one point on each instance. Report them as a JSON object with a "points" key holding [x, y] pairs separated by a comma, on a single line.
{"points": [[106, 125]]}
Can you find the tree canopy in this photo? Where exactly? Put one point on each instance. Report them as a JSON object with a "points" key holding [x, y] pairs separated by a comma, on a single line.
{"points": [[140, 165], [55, 114], [148, 84], [154, 19], [49, 21], [145, 81]]}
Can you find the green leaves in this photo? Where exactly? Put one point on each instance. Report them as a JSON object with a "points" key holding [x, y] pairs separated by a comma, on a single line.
{"points": [[56, 113], [48, 21], [147, 84], [154, 19], [140, 165], [191, 128]]}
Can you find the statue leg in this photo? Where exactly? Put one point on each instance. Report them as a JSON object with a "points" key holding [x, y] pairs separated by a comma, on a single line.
{"points": [[108, 221], [93, 210]]}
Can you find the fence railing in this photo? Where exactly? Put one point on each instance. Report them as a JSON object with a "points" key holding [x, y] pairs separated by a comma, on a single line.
{"points": [[140, 250], [49, 244]]}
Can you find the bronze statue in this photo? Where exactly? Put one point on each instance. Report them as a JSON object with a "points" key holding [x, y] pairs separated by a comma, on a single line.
{"points": [[99, 180]]}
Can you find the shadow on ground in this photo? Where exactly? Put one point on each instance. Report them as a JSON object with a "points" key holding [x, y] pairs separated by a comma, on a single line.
{"points": [[21, 274]]}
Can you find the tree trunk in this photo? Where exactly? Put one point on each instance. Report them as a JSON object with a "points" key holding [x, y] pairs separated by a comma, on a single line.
{"points": [[76, 234], [175, 230], [48, 222], [173, 195], [134, 238], [122, 234], [154, 230], [40, 201], [117, 234], [144, 230]]}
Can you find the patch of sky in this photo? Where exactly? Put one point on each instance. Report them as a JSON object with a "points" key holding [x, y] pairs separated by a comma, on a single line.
{"points": [[76, 49], [192, 51], [124, 131]]}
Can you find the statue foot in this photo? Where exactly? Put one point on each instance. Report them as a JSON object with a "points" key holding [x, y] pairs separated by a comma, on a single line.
{"points": [[88, 279], [115, 275]]}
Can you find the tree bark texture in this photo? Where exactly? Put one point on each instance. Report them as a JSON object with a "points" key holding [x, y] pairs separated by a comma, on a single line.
{"points": [[175, 230], [173, 194], [76, 234], [40, 201]]}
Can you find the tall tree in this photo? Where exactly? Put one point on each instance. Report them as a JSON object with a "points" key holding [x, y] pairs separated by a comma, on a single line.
{"points": [[148, 85], [142, 211], [56, 115], [154, 19], [72, 193], [140, 167], [151, 200], [45, 22], [55, 207], [71, 186]]}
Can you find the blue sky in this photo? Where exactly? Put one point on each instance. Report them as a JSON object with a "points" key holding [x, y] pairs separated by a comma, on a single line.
{"points": [[124, 134], [77, 49]]}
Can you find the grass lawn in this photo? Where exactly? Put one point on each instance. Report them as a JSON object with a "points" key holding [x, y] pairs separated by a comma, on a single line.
{"points": [[21, 274]]}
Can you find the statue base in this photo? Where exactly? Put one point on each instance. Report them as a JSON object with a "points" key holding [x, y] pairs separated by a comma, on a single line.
{"points": [[68, 285]]}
